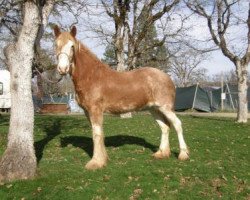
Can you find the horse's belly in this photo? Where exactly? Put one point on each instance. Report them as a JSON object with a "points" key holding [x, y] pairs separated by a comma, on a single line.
{"points": [[126, 105]]}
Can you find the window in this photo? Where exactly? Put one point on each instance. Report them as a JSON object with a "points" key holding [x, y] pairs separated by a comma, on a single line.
{"points": [[1, 88]]}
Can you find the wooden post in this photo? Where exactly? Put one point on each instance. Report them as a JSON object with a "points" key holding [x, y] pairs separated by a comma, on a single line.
{"points": [[222, 92], [195, 93]]}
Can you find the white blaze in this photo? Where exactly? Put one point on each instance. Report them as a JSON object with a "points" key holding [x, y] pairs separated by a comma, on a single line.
{"points": [[63, 57]]}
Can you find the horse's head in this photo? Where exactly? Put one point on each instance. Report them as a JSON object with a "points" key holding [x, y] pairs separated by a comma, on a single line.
{"points": [[65, 43]]}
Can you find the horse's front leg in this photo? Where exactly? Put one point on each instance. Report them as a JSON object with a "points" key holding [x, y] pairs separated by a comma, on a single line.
{"points": [[100, 156]]}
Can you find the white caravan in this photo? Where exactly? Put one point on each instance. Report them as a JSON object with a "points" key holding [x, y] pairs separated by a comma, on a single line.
{"points": [[5, 96]]}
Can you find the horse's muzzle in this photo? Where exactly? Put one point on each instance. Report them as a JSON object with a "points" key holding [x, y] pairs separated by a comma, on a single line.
{"points": [[63, 70]]}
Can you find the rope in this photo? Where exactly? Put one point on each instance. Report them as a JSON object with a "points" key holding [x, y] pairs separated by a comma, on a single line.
{"points": [[46, 79]]}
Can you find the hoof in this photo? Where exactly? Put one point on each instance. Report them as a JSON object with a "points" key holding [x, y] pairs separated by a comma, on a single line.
{"points": [[161, 154], [184, 155], [95, 164]]}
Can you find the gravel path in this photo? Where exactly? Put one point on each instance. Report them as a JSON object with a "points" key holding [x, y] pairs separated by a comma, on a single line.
{"points": [[231, 115]]}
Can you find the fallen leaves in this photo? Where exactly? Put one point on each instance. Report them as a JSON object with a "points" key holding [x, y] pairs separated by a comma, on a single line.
{"points": [[185, 180], [136, 194], [38, 190], [106, 178], [9, 186]]}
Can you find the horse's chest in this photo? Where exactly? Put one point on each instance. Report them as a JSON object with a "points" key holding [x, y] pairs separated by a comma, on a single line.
{"points": [[87, 95]]}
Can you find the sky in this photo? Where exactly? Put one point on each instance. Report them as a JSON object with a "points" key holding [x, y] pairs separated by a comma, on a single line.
{"points": [[215, 64], [218, 63]]}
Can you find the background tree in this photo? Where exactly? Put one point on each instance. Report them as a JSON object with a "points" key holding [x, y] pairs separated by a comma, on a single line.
{"points": [[133, 19], [150, 56], [228, 77], [109, 56], [221, 16], [186, 70]]}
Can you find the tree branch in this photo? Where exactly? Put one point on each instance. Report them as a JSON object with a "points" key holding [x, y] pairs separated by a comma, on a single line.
{"points": [[246, 57]]}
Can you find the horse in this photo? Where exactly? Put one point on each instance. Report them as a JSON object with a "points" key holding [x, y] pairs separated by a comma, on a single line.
{"points": [[100, 89]]}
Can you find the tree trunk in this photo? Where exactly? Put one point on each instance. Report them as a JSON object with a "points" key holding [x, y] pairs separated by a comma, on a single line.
{"points": [[121, 66], [119, 47], [19, 160], [242, 92], [40, 92], [132, 58]]}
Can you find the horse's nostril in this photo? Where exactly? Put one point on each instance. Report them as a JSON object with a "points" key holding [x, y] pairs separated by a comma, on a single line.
{"points": [[62, 70], [59, 70]]}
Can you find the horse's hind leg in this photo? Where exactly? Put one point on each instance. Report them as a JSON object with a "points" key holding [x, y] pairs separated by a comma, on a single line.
{"points": [[176, 123], [164, 149], [100, 157]]}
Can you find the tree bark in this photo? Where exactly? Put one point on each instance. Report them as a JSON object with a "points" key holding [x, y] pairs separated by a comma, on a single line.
{"points": [[120, 42], [119, 48], [132, 58], [242, 92], [19, 160]]}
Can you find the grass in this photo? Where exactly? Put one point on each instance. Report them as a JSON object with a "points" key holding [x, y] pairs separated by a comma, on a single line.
{"points": [[218, 168]]}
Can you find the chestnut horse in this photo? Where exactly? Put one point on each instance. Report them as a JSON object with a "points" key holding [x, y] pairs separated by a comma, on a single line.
{"points": [[100, 89]]}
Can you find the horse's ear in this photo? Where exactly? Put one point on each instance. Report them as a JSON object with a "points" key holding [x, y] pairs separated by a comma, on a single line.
{"points": [[73, 31], [57, 31]]}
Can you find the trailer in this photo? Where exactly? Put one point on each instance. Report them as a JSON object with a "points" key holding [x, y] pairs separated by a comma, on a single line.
{"points": [[5, 95]]}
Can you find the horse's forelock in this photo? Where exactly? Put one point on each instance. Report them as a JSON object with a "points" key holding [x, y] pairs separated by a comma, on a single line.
{"points": [[64, 38]]}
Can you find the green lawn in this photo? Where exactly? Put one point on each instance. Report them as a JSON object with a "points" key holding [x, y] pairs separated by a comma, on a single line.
{"points": [[219, 167]]}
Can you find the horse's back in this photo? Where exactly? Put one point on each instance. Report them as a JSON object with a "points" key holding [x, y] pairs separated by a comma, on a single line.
{"points": [[137, 89]]}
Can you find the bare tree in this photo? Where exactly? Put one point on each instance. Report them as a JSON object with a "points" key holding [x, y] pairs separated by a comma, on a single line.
{"points": [[10, 16], [227, 76], [118, 11], [19, 160], [221, 16], [230, 77], [185, 68], [132, 19]]}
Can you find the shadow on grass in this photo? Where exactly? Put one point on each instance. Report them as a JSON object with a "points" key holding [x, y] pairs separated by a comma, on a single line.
{"points": [[4, 119], [51, 131], [175, 153], [86, 143]]}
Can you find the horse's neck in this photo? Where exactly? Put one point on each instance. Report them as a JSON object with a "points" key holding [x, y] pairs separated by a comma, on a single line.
{"points": [[86, 64]]}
